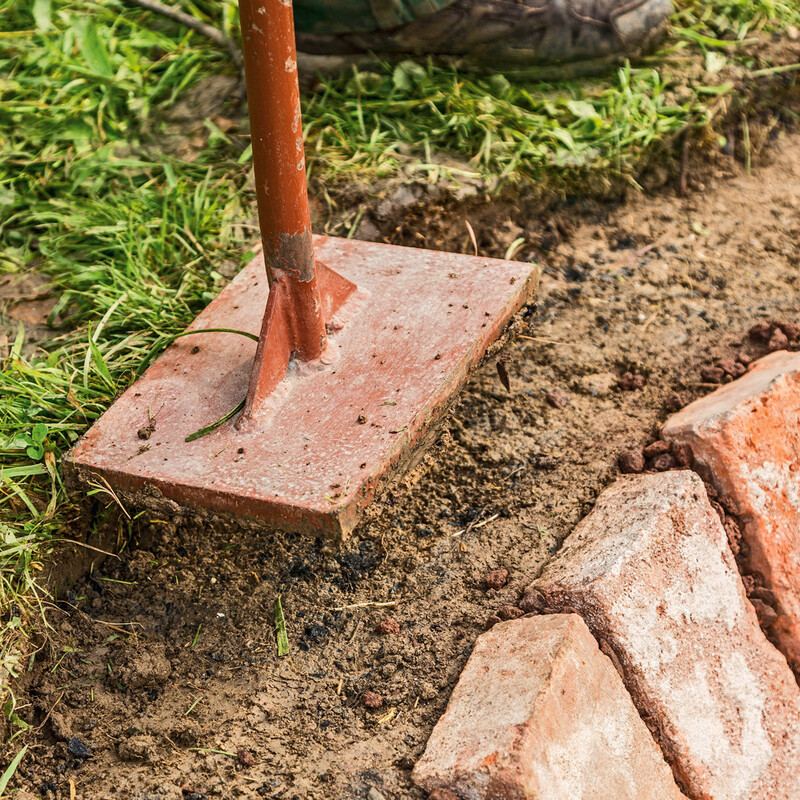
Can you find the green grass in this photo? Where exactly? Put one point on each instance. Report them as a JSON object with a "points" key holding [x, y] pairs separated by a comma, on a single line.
{"points": [[373, 124], [131, 237]]}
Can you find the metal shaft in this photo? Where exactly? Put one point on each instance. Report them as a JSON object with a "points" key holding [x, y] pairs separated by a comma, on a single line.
{"points": [[276, 130]]}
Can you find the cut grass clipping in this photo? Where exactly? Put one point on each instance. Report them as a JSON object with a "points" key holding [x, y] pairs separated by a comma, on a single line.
{"points": [[132, 238], [281, 636]]}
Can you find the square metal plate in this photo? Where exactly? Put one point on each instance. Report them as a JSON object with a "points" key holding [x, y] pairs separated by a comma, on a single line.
{"points": [[330, 437]]}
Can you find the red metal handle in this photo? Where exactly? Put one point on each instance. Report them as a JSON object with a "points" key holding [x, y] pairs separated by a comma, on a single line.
{"points": [[276, 130]]}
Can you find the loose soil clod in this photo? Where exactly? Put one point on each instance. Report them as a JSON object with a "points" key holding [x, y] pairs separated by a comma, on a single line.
{"points": [[387, 627], [712, 374], [496, 579], [657, 448], [510, 612], [674, 402], [631, 462], [78, 748], [557, 398], [778, 341], [629, 382], [662, 463], [532, 601], [761, 330], [371, 700]]}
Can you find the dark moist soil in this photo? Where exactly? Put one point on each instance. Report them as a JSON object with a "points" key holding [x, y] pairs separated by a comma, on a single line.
{"points": [[161, 679]]}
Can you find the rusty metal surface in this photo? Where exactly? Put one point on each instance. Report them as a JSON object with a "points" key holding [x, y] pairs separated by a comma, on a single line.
{"points": [[283, 332], [273, 100], [401, 347]]}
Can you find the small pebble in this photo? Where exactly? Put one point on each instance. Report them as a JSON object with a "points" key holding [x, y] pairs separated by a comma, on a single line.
{"points": [[371, 700], [791, 329], [674, 402], [244, 757], [496, 579], [557, 398], [778, 341], [630, 382], [656, 449], [631, 462], [510, 612], [767, 595], [712, 374], [732, 368], [532, 601], [387, 626], [662, 463], [682, 453], [761, 330], [374, 794], [766, 614]]}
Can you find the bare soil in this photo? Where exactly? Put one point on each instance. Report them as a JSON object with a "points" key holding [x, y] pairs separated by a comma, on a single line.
{"points": [[164, 662]]}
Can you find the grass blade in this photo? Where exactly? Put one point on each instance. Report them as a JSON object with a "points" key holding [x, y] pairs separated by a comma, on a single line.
{"points": [[280, 629], [162, 344], [214, 425], [11, 769]]}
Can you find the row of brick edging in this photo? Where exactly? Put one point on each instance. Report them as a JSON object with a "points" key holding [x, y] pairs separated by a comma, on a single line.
{"points": [[734, 655], [745, 440], [700, 429]]}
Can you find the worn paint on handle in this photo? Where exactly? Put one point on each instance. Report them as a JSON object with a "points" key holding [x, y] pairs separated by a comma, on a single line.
{"points": [[276, 128]]}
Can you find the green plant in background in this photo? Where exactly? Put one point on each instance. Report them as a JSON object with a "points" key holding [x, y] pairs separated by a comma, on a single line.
{"points": [[733, 20], [131, 237], [572, 133]]}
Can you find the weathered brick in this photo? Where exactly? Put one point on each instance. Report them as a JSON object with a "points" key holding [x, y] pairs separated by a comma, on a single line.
{"points": [[747, 436], [650, 571], [540, 713]]}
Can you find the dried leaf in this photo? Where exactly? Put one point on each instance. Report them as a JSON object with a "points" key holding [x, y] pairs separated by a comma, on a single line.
{"points": [[503, 373]]}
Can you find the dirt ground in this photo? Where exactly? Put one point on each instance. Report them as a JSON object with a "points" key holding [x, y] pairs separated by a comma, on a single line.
{"points": [[164, 664]]}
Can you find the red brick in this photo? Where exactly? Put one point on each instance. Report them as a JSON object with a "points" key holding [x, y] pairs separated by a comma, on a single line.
{"points": [[747, 437], [539, 713], [651, 572]]}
